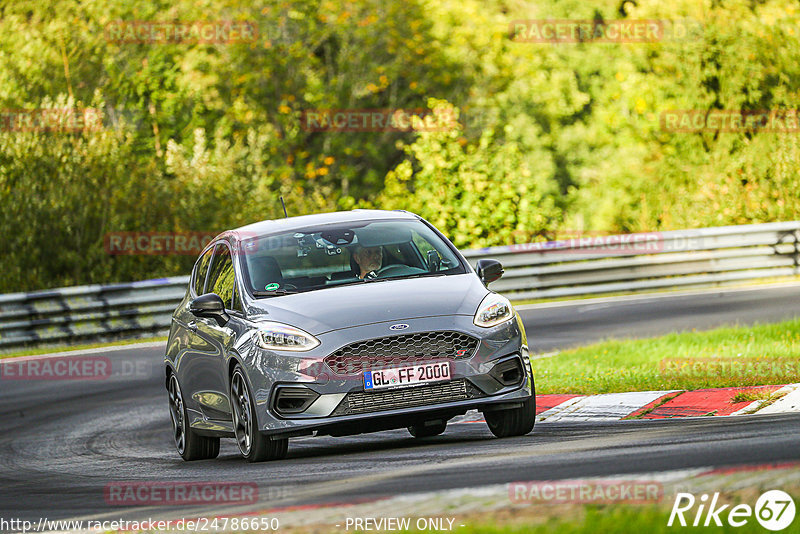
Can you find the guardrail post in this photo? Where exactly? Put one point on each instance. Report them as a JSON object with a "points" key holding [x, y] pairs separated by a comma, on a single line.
{"points": [[795, 246]]}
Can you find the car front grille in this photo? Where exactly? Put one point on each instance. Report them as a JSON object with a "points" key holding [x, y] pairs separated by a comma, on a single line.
{"points": [[393, 351], [359, 402]]}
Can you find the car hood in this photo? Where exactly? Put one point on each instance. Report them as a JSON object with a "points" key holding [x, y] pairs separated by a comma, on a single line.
{"points": [[340, 307]]}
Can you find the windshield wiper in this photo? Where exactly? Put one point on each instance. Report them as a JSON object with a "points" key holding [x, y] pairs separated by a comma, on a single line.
{"points": [[345, 283], [275, 293], [404, 277]]}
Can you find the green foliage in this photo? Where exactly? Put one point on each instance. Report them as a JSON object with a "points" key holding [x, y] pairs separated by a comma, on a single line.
{"points": [[479, 194], [61, 191], [553, 137]]}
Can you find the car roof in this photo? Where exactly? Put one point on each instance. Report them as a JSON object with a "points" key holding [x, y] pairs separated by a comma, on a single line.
{"points": [[291, 223]]}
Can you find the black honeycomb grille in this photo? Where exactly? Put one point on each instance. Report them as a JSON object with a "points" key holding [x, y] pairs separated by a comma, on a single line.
{"points": [[360, 402], [391, 351]]}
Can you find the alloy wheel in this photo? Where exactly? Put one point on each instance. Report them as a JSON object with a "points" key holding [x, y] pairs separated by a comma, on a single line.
{"points": [[176, 413], [242, 415]]}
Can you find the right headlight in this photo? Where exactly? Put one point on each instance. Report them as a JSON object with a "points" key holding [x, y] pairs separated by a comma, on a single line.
{"points": [[494, 309], [277, 336]]}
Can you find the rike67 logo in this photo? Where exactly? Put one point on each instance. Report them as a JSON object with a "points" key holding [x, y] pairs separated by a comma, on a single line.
{"points": [[774, 510]]}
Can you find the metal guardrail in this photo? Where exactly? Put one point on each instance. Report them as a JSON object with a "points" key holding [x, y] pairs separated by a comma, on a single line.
{"points": [[96, 312], [639, 262], [581, 266]]}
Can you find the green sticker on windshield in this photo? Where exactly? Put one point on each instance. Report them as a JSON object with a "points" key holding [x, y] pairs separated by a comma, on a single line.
{"points": [[272, 287]]}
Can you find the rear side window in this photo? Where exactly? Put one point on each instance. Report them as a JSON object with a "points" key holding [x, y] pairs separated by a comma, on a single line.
{"points": [[221, 275], [200, 272]]}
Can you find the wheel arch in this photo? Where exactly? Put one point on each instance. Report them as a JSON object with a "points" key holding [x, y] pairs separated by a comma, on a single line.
{"points": [[235, 359]]}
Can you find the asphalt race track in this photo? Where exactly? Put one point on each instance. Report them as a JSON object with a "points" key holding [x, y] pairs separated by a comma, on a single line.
{"points": [[62, 442], [577, 323]]}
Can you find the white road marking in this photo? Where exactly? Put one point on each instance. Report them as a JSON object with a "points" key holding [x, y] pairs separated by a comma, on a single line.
{"points": [[472, 416], [750, 408], [557, 409]]}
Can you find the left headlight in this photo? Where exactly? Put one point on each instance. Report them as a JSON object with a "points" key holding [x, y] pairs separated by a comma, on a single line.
{"points": [[494, 309], [277, 336]]}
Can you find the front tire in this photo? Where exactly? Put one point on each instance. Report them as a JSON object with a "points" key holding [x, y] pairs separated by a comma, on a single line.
{"points": [[253, 445], [190, 445], [513, 422]]}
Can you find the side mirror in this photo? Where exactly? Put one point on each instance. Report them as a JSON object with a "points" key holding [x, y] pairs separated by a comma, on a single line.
{"points": [[489, 271], [434, 261], [211, 306]]}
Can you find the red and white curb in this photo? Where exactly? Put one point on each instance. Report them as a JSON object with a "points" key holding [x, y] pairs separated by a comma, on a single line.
{"points": [[566, 408], [607, 407]]}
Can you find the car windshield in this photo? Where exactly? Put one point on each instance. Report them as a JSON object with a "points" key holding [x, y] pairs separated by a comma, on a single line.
{"points": [[354, 253]]}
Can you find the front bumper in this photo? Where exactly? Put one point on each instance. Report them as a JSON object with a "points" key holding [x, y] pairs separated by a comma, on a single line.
{"points": [[342, 404]]}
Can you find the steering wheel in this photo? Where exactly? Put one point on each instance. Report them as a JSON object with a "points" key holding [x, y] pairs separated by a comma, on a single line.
{"points": [[392, 270]]}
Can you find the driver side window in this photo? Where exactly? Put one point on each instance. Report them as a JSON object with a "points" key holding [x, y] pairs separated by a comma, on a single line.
{"points": [[221, 277], [201, 270]]}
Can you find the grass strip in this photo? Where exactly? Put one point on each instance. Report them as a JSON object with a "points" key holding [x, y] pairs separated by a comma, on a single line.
{"points": [[34, 351], [763, 354]]}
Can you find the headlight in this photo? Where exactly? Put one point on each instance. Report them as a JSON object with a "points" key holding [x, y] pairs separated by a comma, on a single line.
{"points": [[494, 309], [277, 336]]}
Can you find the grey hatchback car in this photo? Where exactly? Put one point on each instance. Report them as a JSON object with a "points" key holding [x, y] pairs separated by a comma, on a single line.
{"points": [[340, 324]]}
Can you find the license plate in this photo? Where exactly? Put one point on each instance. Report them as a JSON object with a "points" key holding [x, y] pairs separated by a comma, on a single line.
{"points": [[412, 375]]}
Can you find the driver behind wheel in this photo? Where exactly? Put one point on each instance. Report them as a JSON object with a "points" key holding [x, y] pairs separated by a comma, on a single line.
{"points": [[369, 260]]}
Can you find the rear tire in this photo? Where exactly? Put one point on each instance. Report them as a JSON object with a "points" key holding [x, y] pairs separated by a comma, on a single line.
{"points": [[253, 445], [423, 430], [189, 444], [513, 422]]}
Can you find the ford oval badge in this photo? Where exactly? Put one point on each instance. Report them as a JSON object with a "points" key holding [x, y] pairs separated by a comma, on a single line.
{"points": [[400, 326]]}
